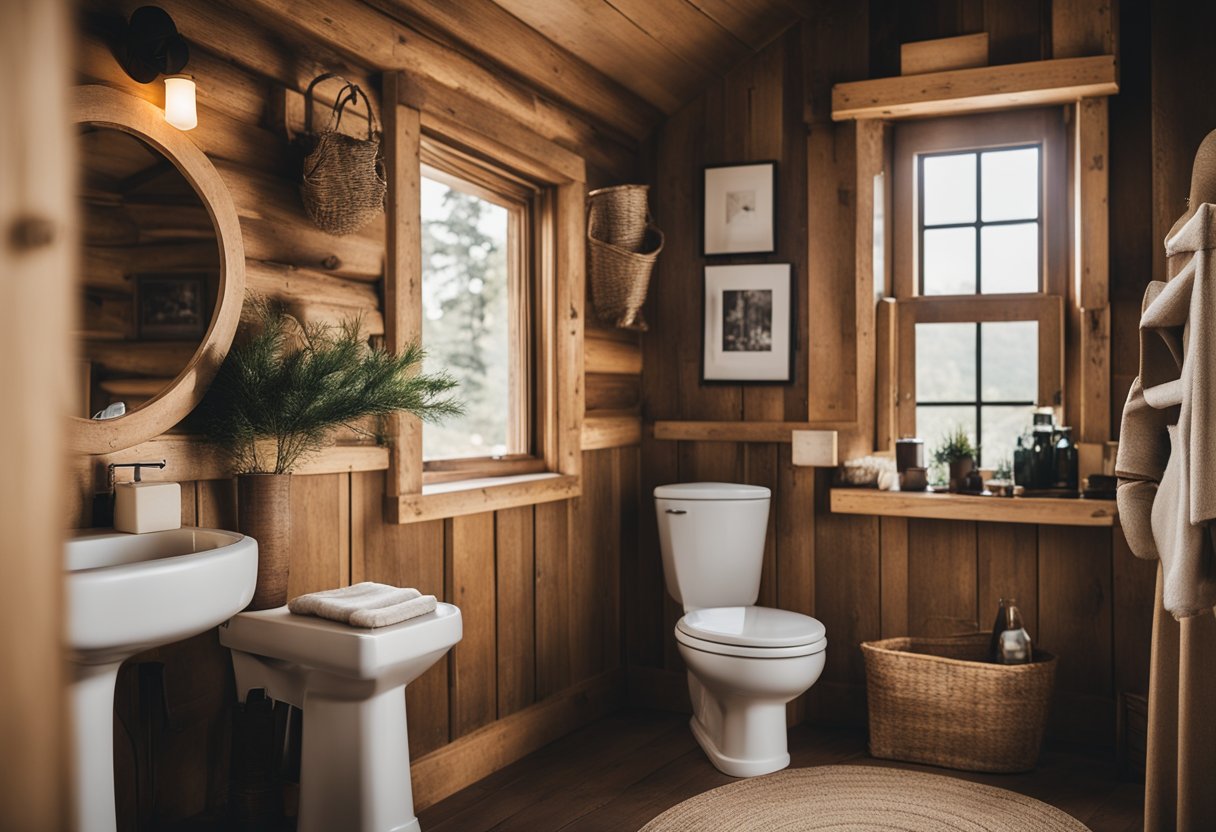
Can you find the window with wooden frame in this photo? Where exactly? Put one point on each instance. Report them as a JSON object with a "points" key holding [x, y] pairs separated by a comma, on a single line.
{"points": [[484, 268], [980, 271], [482, 288]]}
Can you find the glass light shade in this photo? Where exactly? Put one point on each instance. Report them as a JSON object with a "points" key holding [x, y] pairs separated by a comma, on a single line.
{"points": [[179, 102]]}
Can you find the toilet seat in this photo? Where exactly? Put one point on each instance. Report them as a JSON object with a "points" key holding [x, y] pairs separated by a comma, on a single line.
{"points": [[751, 652], [752, 627]]}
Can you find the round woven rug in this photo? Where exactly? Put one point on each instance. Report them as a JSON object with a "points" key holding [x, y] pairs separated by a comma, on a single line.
{"points": [[861, 799]]}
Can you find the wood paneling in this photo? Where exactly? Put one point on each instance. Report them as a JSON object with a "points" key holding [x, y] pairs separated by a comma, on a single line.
{"points": [[514, 558], [664, 53], [553, 643], [469, 560], [941, 578]]}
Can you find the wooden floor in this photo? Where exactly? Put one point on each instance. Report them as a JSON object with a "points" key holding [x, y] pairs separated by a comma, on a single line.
{"points": [[618, 773]]}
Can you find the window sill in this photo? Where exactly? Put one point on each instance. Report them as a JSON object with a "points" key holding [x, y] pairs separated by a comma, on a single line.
{"points": [[1039, 510], [454, 499]]}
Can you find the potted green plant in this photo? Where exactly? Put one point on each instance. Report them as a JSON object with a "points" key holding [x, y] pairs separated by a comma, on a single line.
{"points": [[276, 400], [958, 454]]}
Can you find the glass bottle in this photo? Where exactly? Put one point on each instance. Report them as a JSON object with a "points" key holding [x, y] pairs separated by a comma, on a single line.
{"points": [[1010, 643], [1066, 460], [1043, 451], [1023, 461]]}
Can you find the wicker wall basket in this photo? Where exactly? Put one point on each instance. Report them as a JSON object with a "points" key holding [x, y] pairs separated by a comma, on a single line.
{"points": [[343, 183], [936, 701], [622, 248]]}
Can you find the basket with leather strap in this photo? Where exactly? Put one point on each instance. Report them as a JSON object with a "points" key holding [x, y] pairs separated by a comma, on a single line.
{"points": [[622, 246], [935, 700], [343, 179]]}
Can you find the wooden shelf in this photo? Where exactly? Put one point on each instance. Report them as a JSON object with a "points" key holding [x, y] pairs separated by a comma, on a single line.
{"points": [[192, 458], [739, 431], [1032, 84], [936, 506]]}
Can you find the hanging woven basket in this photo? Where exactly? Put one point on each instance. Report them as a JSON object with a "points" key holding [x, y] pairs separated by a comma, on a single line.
{"points": [[622, 247], [343, 179]]}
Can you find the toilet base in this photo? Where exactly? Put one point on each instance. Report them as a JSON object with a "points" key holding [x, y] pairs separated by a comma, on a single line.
{"points": [[731, 765]]}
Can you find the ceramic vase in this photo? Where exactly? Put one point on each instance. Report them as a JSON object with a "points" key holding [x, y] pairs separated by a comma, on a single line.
{"points": [[959, 469], [263, 510]]}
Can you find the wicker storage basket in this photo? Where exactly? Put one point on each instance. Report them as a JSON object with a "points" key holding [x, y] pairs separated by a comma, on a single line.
{"points": [[343, 183], [619, 215], [935, 701], [622, 247]]}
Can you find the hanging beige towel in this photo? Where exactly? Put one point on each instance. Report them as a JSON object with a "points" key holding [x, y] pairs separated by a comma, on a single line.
{"points": [[1167, 447], [365, 605]]}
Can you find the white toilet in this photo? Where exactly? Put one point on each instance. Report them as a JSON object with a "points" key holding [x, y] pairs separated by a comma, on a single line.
{"points": [[350, 685], [744, 662]]}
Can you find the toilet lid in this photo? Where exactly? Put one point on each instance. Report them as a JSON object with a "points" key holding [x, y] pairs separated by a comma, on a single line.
{"points": [[752, 627]]}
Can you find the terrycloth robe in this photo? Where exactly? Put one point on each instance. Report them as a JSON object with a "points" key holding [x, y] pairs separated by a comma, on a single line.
{"points": [[1167, 444]]}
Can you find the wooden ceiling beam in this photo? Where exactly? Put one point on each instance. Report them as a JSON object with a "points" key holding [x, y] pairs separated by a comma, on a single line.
{"points": [[492, 31], [370, 37]]}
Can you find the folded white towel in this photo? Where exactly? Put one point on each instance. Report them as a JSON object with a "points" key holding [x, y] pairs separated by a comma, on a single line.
{"points": [[365, 605]]}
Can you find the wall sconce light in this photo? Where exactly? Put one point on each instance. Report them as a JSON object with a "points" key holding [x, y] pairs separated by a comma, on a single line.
{"points": [[151, 46], [179, 102]]}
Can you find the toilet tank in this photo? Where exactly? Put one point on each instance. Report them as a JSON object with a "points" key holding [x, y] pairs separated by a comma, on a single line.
{"points": [[712, 538]]}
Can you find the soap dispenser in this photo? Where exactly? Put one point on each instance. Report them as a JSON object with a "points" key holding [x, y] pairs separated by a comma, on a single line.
{"points": [[141, 507]]}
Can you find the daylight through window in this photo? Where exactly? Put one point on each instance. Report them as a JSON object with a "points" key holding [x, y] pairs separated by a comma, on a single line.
{"points": [[466, 327]]}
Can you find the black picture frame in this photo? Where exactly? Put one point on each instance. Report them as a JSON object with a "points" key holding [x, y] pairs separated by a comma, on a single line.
{"points": [[727, 358], [171, 307]]}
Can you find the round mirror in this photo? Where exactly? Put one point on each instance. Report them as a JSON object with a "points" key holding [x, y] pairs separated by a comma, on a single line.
{"points": [[162, 272]]}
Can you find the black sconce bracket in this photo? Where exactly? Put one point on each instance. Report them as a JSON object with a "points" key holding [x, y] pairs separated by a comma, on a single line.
{"points": [[151, 46]]}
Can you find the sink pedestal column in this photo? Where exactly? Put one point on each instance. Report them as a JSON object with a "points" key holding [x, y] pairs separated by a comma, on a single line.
{"points": [[92, 704]]}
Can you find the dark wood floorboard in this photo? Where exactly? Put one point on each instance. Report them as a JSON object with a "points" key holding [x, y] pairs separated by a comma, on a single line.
{"points": [[618, 773]]}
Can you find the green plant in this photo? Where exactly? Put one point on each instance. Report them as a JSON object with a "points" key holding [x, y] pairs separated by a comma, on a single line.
{"points": [[285, 386], [955, 445]]}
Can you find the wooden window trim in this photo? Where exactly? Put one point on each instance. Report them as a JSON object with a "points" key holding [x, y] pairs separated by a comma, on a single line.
{"points": [[1046, 310], [558, 237], [1045, 126], [1018, 127]]}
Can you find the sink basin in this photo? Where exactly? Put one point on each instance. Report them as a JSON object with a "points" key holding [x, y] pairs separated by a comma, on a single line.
{"points": [[127, 593]]}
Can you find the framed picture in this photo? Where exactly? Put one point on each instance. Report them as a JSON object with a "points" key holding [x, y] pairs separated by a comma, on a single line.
{"points": [[749, 322], [171, 306], [740, 209]]}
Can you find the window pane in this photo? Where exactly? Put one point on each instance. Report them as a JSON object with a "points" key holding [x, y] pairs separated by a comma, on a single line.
{"points": [[949, 261], [1010, 258], [949, 188], [1001, 428], [465, 326], [934, 424], [1010, 184], [945, 363], [1010, 355]]}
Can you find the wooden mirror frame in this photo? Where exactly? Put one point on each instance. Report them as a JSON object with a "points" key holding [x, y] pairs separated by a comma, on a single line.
{"points": [[107, 107]]}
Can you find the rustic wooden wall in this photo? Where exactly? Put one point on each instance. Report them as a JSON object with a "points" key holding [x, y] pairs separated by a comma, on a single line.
{"points": [[1086, 597], [538, 586]]}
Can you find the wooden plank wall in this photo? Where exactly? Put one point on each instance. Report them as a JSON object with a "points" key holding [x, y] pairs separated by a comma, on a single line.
{"points": [[868, 577], [538, 586]]}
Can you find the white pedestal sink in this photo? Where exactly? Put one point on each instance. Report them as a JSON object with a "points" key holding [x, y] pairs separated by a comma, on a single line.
{"points": [[127, 593]]}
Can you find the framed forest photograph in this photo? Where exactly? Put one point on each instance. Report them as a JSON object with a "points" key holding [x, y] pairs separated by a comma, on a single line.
{"points": [[748, 323]]}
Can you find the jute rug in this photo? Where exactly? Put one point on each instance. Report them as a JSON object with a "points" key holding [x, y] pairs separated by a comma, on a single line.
{"points": [[861, 799]]}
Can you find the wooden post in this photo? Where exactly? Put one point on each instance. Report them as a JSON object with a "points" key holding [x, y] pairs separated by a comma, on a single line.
{"points": [[402, 268], [1091, 270], [37, 301]]}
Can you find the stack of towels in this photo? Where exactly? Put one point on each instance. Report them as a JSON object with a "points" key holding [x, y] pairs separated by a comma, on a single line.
{"points": [[365, 605]]}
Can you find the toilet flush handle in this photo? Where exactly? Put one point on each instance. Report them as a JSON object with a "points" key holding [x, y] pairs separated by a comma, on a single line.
{"points": [[676, 511]]}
